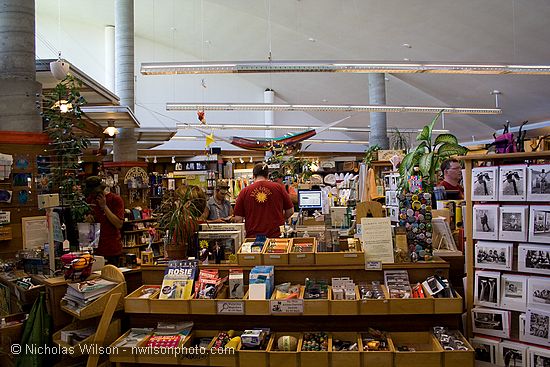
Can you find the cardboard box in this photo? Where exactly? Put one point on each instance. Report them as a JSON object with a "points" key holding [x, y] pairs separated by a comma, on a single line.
{"points": [[428, 351]]}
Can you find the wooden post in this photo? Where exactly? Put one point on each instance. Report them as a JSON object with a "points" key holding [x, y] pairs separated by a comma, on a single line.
{"points": [[469, 250]]}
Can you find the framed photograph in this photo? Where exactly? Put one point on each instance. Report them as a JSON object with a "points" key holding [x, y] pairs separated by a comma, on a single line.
{"points": [[493, 255], [485, 184], [391, 198], [514, 292], [534, 258], [538, 292], [393, 213], [539, 223], [487, 288], [513, 223], [491, 322], [512, 183], [522, 327], [485, 349], [537, 324], [539, 357], [512, 354], [485, 222], [538, 182]]}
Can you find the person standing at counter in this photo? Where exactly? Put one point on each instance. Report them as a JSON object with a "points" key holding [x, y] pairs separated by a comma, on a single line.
{"points": [[108, 211], [264, 205]]}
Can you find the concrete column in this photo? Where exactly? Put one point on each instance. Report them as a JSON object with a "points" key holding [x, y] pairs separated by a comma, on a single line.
{"points": [[110, 57], [269, 117], [378, 126], [19, 110], [125, 145]]}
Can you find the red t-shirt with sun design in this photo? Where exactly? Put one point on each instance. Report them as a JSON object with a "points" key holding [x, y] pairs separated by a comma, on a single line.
{"points": [[262, 205]]}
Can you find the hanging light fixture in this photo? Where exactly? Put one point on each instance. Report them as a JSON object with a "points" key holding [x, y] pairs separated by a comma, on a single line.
{"points": [[173, 159], [155, 159], [110, 130]]}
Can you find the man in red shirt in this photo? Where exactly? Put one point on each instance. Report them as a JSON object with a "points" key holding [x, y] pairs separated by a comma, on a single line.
{"points": [[264, 205], [452, 175], [108, 211]]}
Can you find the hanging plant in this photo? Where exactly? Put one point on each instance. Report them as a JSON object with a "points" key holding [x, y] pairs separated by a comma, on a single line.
{"points": [[61, 115], [371, 155], [426, 158]]}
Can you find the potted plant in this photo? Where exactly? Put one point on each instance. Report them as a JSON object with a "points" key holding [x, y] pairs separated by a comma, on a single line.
{"points": [[426, 158], [180, 213]]}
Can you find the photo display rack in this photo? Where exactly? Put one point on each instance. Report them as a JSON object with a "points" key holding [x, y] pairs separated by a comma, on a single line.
{"points": [[508, 256]]}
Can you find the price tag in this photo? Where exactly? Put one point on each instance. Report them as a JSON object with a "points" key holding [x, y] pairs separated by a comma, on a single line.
{"points": [[274, 256], [350, 255], [287, 306], [230, 307], [373, 265]]}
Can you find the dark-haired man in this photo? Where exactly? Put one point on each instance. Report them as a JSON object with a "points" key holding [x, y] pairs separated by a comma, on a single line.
{"points": [[264, 205], [452, 175]]}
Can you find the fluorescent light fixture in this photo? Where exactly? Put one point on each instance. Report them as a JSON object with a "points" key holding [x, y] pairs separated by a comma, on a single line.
{"points": [[257, 126], [243, 67], [326, 108]]}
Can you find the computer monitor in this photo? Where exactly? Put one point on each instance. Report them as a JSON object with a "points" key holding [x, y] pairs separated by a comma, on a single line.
{"points": [[310, 199]]}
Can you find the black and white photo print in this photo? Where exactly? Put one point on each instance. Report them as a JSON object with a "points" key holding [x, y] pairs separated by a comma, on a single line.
{"points": [[491, 322], [485, 349], [493, 255], [485, 184], [487, 288], [539, 357], [539, 223], [513, 292], [533, 258], [538, 185], [513, 222], [485, 222], [537, 324], [512, 183], [538, 292], [512, 354]]}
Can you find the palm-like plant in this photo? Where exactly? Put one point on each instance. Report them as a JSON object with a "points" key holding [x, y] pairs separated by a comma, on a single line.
{"points": [[426, 158]]}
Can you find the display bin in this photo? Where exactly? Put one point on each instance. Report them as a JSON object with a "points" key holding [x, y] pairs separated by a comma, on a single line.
{"points": [[345, 307], [375, 306], [28, 296], [162, 358], [252, 259], [407, 306], [427, 354], [316, 358], [125, 354], [317, 306], [133, 303], [79, 348], [377, 358], [207, 306], [345, 358], [197, 359], [225, 359], [459, 358], [449, 305], [169, 306], [256, 307], [302, 258], [254, 358], [279, 358], [340, 258], [276, 258]]}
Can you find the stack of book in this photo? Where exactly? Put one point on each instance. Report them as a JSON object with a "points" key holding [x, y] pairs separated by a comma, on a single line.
{"points": [[80, 295]]}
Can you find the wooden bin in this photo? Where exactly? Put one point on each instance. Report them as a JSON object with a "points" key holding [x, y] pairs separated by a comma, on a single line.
{"points": [[169, 306], [97, 307], [407, 306], [459, 358], [254, 358], [340, 258], [316, 358], [379, 358], [302, 258], [449, 305], [345, 358], [284, 359], [427, 354], [125, 354], [375, 306], [317, 306], [79, 348], [276, 258], [207, 306], [194, 359], [345, 307], [256, 307], [225, 359], [133, 303], [252, 259], [161, 358]]}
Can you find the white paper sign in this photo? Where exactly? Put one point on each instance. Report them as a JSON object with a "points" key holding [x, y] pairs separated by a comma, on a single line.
{"points": [[373, 265], [377, 239], [230, 307], [293, 306]]}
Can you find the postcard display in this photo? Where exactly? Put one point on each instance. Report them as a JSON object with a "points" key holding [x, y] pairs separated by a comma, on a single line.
{"points": [[511, 235]]}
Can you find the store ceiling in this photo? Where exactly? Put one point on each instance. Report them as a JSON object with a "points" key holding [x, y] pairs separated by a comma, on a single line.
{"points": [[503, 31]]}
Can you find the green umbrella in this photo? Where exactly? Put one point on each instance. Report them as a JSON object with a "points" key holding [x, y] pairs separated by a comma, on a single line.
{"points": [[36, 333]]}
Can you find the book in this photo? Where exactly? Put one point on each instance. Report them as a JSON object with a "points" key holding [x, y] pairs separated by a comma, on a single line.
{"points": [[178, 281]]}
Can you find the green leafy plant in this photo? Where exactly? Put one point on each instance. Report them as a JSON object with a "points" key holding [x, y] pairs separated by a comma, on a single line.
{"points": [[371, 154], [425, 159], [180, 212], [291, 164], [62, 114], [399, 140]]}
